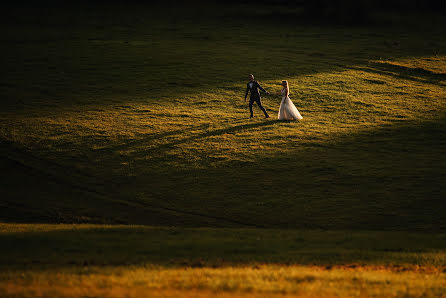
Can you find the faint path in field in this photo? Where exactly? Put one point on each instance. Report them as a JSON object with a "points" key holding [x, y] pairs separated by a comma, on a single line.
{"points": [[420, 75], [377, 145], [93, 185], [217, 132], [149, 138], [78, 180]]}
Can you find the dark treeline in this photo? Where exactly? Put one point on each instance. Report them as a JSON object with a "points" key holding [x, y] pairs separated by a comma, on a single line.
{"points": [[354, 11], [324, 11], [425, 5], [317, 5]]}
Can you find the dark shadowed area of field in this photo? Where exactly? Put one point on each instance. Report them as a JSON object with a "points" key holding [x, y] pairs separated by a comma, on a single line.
{"points": [[135, 114], [130, 166]]}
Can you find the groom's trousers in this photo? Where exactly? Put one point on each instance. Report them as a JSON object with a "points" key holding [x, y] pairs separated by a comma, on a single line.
{"points": [[259, 103]]}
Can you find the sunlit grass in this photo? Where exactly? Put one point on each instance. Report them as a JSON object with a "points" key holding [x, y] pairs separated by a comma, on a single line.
{"points": [[135, 261], [200, 146], [308, 281], [194, 131], [137, 117], [145, 114]]}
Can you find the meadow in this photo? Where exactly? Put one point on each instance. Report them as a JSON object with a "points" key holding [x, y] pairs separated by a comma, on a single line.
{"points": [[129, 162], [42, 260]]}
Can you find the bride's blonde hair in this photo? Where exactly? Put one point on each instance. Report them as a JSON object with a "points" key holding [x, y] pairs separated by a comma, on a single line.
{"points": [[286, 84]]}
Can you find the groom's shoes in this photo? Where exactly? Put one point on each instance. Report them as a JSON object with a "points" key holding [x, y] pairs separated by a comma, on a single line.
{"points": [[251, 116], [267, 116]]}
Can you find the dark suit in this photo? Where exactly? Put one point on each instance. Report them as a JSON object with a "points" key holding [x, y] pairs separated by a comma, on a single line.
{"points": [[253, 87]]}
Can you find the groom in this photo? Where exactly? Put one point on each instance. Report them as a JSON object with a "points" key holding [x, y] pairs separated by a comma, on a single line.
{"points": [[253, 87]]}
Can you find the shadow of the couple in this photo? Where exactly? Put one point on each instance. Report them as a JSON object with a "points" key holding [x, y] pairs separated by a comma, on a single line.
{"points": [[211, 133], [416, 74], [240, 126], [204, 135], [237, 128]]}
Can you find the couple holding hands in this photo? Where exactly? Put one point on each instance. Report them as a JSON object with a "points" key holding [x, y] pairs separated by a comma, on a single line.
{"points": [[287, 110]]}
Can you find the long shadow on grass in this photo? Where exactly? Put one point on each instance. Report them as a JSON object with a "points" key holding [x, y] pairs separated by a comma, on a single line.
{"points": [[420, 75], [385, 179], [116, 69], [82, 246], [210, 133], [151, 137]]}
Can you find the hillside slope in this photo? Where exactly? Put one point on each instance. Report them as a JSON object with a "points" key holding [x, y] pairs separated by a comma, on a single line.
{"points": [[141, 120]]}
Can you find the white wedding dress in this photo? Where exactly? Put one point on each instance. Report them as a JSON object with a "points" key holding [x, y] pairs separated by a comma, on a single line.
{"points": [[287, 110]]}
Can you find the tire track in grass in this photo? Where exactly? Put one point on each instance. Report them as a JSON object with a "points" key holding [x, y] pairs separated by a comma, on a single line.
{"points": [[55, 172]]}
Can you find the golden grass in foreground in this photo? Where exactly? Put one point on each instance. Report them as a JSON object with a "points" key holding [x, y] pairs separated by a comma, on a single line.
{"points": [[253, 281], [136, 261]]}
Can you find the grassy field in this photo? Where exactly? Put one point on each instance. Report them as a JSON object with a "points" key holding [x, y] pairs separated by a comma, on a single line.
{"points": [[114, 261], [135, 116], [122, 116]]}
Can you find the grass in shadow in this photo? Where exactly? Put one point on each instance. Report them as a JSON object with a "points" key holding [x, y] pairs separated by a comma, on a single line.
{"points": [[379, 179], [59, 246], [210, 133], [417, 74], [112, 143]]}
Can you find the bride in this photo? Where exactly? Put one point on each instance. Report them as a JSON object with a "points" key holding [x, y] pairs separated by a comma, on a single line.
{"points": [[287, 110]]}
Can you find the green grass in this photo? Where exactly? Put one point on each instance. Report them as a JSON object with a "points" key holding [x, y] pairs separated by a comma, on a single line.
{"points": [[59, 246], [135, 116], [138, 117], [104, 261]]}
